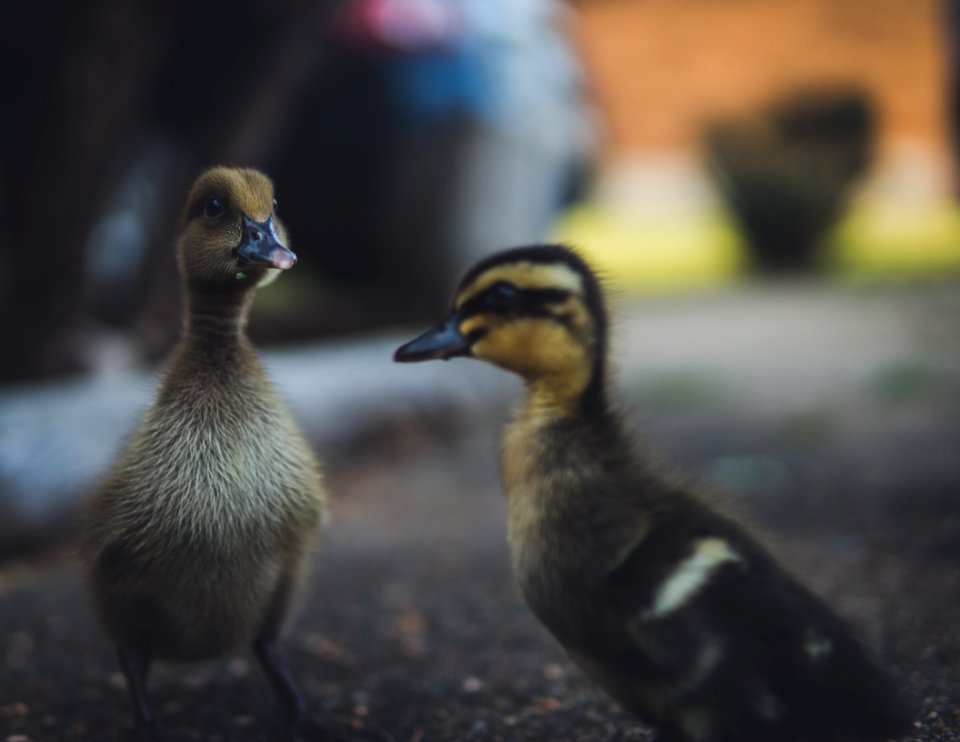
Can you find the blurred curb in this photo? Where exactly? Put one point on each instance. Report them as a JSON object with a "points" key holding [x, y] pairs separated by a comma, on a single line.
{"points": [[844, 383], [58, 438]]}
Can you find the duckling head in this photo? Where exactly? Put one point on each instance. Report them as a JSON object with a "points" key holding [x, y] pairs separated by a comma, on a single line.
{"points": [[537, 311], [230, 234]]}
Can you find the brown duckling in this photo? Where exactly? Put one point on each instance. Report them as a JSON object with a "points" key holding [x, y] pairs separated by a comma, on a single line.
{"points": [[198, 540], [670, 606]]}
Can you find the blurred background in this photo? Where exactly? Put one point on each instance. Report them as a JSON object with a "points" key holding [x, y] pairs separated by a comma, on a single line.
{"points": [[680, 145], [769, 189]]}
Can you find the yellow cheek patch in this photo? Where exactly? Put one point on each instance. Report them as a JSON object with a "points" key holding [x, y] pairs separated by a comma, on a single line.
{"points": [[471, 324], [531, 347], [534, 346]]}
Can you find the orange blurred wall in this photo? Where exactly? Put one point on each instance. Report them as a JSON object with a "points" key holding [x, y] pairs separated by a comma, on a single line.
{"points": [[661, 68]]}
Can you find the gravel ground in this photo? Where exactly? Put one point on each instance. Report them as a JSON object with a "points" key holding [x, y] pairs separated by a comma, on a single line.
{"points": [[413, 625]]}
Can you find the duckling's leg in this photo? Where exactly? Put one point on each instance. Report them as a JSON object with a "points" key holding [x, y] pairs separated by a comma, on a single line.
{"points": [[274, 664], [135, 665]]}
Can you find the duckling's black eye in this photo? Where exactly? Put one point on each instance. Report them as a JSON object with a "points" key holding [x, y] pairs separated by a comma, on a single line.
{"points": [[502, 295], [274, 204], [213, 207]]}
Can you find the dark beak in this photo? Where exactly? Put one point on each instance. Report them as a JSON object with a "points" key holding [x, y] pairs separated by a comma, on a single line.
{"points": [[260, 246], [443, 341]]}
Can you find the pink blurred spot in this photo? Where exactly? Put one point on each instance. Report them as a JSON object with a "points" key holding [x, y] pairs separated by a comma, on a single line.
{"points": [[283, 259]]}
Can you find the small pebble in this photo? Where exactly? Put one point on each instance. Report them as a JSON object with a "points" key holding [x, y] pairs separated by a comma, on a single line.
{"points": [[472, 684], [553, 671], [479, 728], [17, 708], [195, 681], [548, 703]]}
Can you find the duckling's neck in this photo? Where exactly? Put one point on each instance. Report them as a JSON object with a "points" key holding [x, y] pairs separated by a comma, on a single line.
{"points": [[578, 393], [216, 315]]}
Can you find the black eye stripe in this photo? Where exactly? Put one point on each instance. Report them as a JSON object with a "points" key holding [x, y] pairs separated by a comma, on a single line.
{"points": [[548, 296], [528, 303]]}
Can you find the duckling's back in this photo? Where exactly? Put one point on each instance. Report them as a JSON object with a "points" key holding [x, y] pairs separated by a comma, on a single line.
{"points": [[197, 540]]}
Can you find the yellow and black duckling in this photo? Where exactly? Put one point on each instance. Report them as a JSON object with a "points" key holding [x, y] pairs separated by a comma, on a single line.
{"points": [[197, 541], [670, 606]]}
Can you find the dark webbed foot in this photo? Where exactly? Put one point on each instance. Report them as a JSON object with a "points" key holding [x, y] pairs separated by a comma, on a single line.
{"points": [[304, 726], [135, 665], [274, 665]]}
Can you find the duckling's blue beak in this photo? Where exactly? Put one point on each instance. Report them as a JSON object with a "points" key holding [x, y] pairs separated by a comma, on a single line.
{"points": [[443, 341], [260, 245]]}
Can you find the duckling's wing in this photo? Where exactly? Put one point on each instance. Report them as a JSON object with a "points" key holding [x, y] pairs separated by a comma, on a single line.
{"points": [[705, 614]]}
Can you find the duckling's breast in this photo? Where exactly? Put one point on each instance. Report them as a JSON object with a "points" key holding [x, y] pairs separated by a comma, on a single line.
{"points": [[229, 475], [209, 514], [547, 480], [572, 516]]}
